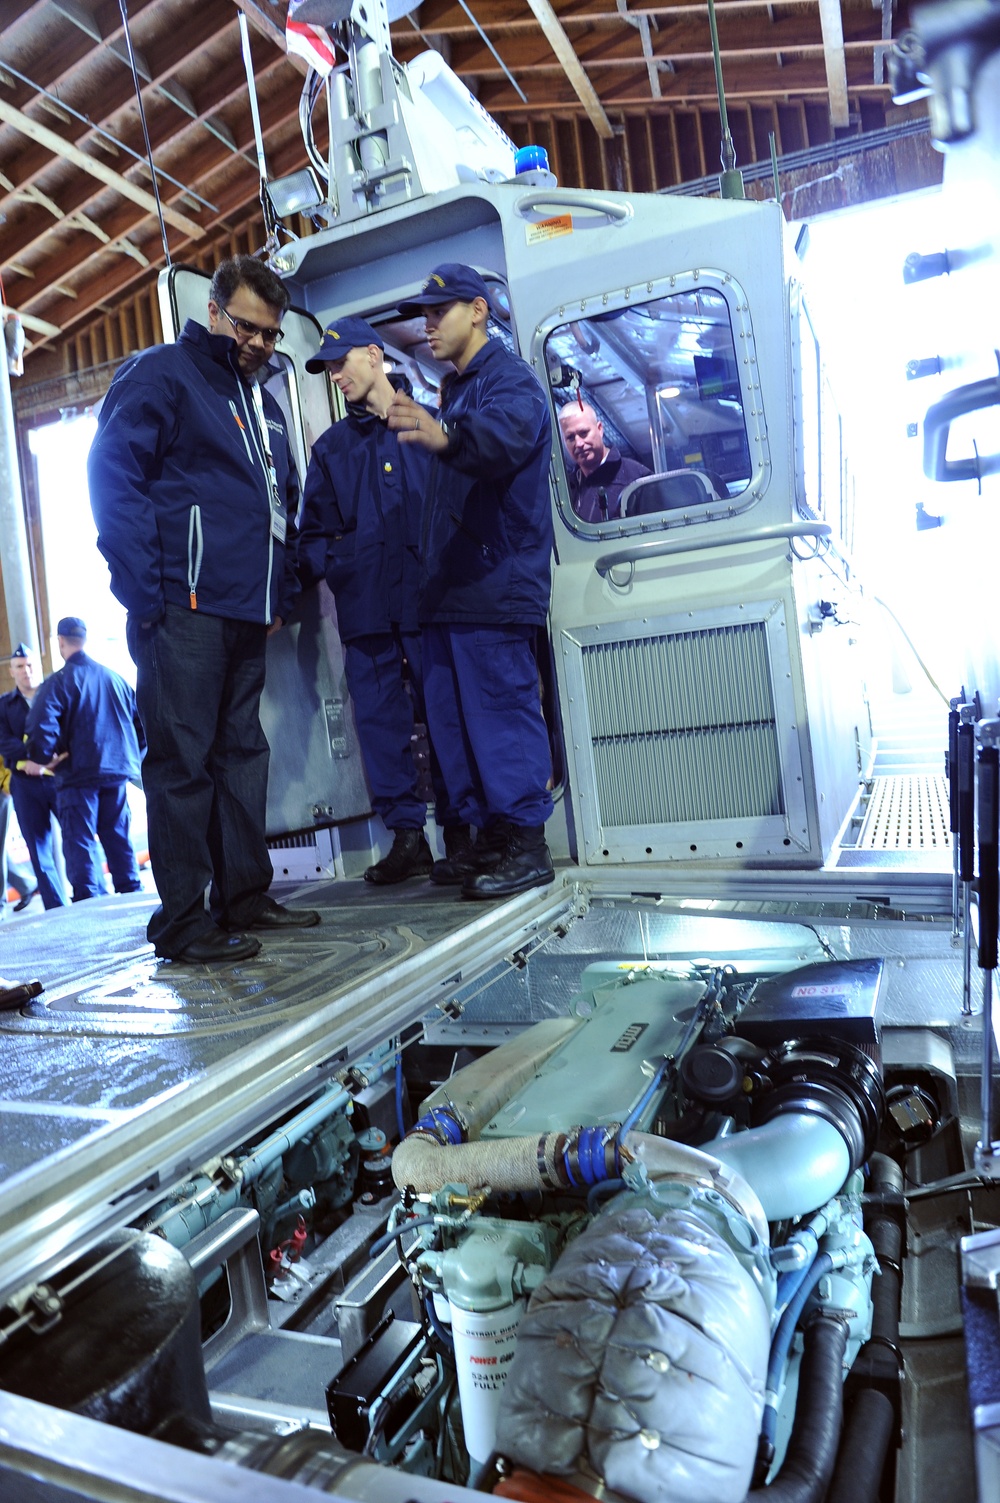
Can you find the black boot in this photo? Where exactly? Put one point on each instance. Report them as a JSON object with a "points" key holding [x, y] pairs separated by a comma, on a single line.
{"points": [[525, 863], [464, 857], [410, 857]]}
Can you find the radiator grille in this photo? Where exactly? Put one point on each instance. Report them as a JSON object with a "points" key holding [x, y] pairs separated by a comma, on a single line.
{"points": [[682, 726]]}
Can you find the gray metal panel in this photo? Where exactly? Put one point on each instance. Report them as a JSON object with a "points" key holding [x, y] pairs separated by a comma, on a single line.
{"points": [[316, 774], [685, 736]]}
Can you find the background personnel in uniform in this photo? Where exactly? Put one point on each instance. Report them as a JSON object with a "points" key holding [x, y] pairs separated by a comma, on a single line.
{"points": [[600, 473], [360, 531], [84, 720], [486, 558], [194, 492], [32, 786]]}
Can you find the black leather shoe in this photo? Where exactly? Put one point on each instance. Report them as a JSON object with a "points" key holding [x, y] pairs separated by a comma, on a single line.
{"points": [[410, 857], [215, 947], [465, 857], [272, 915], [525, 863], [22, 903]]}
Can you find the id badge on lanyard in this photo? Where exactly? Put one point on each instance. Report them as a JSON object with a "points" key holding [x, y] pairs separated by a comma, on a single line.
{"points": [[279, 511]]}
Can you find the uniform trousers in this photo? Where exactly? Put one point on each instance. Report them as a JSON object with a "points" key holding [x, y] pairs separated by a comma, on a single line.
{"points": [[35, 804], [198, 687], [89, 815], [384, 713], [485, 718]]}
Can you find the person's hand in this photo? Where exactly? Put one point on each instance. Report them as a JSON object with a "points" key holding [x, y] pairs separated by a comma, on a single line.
{"points": [[275, 625], [413, 424], [33, 769]]}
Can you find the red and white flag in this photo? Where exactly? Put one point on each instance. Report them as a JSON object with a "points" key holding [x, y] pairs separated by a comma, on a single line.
{"points": [[311, 42]]}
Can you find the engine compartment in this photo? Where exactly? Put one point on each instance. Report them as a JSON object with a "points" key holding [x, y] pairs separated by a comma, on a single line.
{"points": [[648, 1244]]}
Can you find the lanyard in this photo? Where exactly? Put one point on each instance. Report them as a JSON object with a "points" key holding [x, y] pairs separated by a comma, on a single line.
{"points": [[279, 515]]}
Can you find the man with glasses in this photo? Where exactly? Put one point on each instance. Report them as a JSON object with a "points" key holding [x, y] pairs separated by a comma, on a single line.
{"points": [[194, 492]]}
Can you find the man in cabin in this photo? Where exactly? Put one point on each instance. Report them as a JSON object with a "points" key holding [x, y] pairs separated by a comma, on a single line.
{"points": [[32, 786], [600, 472], [85, 727], [361, 532], [485, 561], [194, 492]]}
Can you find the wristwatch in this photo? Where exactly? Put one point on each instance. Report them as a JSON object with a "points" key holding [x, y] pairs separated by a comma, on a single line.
{"points": [[446, 429]]}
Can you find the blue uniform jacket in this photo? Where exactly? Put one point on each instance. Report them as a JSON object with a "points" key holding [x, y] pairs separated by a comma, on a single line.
{"points": [[13, 719], [487, 535], [179, 487], [361, 522], [89, 711]]}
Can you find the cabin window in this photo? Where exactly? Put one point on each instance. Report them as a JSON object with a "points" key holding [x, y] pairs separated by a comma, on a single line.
{"points": [[650, 407]]}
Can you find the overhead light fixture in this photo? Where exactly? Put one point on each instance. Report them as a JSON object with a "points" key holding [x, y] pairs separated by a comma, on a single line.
{"points": [[298, 193]]}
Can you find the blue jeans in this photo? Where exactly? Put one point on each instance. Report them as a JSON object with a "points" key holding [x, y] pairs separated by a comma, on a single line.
{"points": [[35, 807], [89, 815], [484, 715], [199, 682], [384, 715]]}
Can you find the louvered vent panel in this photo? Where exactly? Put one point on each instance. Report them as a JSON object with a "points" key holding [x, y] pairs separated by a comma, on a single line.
{"points": [[683, 727]]}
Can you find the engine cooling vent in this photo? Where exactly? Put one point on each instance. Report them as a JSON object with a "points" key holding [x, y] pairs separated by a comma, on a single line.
{"points": [[684, 729]]}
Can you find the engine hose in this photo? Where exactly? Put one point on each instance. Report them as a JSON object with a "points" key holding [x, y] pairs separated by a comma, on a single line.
{"points": [[885, 1307], [812, 1451], [886, 1235], [440, 1330], [781, 1344], [380, 1245], [861, 1460]]}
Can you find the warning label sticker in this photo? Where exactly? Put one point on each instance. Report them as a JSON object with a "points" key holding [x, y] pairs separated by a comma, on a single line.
{"points": [[548, 229]]}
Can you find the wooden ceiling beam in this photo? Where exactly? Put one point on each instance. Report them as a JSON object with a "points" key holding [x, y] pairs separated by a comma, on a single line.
{"points": [[105, 175], [116, 280], [572, 67], [836, 63], [447, 17], [165, 133], [527, 54], [170, 58], [276, 113], [690, 86], [739, 30], [55, 68]]}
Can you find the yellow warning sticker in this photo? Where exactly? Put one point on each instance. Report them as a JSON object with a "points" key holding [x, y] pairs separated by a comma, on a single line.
{"points": [[548, 229]]}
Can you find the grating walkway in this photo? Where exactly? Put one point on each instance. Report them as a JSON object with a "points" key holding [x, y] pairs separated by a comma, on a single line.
{"points": [[906, 814]]}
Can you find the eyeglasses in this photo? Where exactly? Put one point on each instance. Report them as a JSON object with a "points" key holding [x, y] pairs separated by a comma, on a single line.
{"points": [[244, 327]]}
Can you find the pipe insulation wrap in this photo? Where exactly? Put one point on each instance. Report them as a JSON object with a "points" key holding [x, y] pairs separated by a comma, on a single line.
{"points": [[786, 1168], [644, 1355], [426, 1165], [478, 1091]]}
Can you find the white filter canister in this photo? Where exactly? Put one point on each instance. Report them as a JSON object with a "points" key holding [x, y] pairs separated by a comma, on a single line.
{"points": [[484, 1349]]}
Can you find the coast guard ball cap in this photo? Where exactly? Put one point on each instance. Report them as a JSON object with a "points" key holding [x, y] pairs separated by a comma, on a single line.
{"points": [[450, 283], [71, 626], [342, 335]]}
